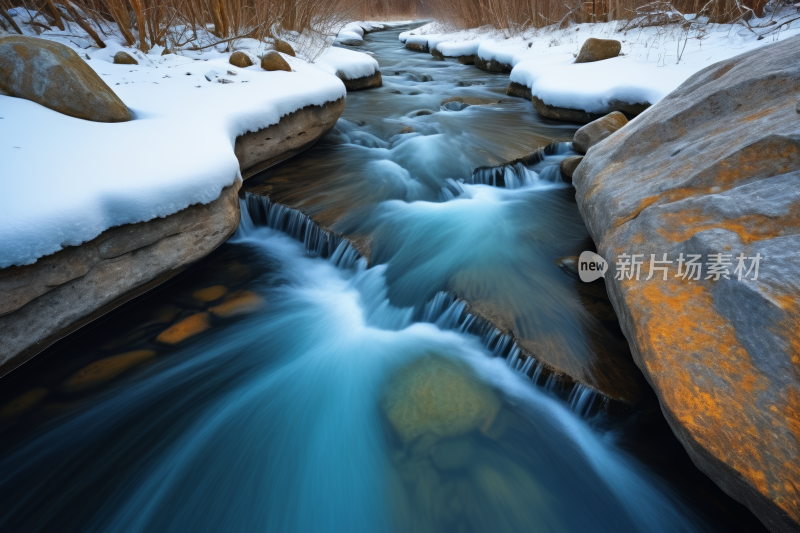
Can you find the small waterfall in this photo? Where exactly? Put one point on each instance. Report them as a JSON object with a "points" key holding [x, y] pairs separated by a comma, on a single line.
{"points": [[526, 170], [444, 310], [260, 211], [447, 311]]}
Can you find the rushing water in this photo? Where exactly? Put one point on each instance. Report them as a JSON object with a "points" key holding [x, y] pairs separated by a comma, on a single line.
{"points": [[362, 393]]}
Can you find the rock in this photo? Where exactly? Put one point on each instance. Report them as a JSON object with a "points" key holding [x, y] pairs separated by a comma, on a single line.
{"points": [[470, 100], [491, 65], [568, 166], [407, 129], [259, 150], [273, 61], [597, 130], [124, 58], [466, 60], [54, 76], [284, 47], [517, 89], [417, 47], [188, 327], [578, 115], [104, 370], [715, 168], [238, 303], [166, 52], [209, 294], [437, 54], [598, 49], [372, 81], [240, 59], [59, 293], [434, 395]]}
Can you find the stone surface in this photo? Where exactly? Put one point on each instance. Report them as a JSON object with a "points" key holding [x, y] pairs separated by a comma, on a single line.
{"points": [[124, 58], [579, 115], [61, 292], [284, 48], [491, 65], [439, 397], [240, 59], [54, 76], [407, 129], [273, 61], [295, 132], [597, 130], [417, 47], [470, 100], [517, 89], [598, 49], [359, 84], [568, 165], [715, 168]]}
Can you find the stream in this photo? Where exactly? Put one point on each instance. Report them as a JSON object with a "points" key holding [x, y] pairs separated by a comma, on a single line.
{"points": [[375, 350]]}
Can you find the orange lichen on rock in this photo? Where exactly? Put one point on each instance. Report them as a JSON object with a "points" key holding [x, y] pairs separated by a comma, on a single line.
{"points": [[677, 227], [105, 369], [188, 327], [690, 343]]}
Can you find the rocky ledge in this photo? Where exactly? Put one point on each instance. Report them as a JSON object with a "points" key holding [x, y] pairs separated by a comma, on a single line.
{"points": [[712, 174], [59, 293]]}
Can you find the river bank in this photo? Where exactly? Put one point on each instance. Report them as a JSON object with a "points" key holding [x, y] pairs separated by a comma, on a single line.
{"points": [[308, 360]]}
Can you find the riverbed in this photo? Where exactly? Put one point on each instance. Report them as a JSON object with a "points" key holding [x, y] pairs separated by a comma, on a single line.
{"points": [[389, 342]]}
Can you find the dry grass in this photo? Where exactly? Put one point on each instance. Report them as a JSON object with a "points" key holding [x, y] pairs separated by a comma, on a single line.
{"points": [[182, 24], [515, 16]]}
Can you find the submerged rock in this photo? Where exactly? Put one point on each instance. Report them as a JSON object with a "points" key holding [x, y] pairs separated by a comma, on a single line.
{"points": [[273, 61], [237, 303], [240, 59], [434, 395], [188, 327], [104, 370], [598, 49], [714, 168], [124, 58], [597, 130], [54, 76]]}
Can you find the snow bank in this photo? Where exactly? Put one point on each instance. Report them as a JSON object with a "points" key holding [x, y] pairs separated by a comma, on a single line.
{"points": [[65, 180], [353, 33], [346, 63], [654, 60]]}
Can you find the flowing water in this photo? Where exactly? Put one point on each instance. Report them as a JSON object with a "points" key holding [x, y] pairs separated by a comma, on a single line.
{"points": [[399, 379]]}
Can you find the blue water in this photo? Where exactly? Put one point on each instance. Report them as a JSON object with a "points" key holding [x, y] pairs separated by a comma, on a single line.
{"points": [[362, 395]]}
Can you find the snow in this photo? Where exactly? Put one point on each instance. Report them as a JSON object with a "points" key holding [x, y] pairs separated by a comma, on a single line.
{"points": [[654, 61], [65, 180], [346, 64], [353, 33]]}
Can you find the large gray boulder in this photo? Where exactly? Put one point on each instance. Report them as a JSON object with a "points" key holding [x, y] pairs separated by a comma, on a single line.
{"points": [[54, 76], [714, 168], [594, 132]]}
